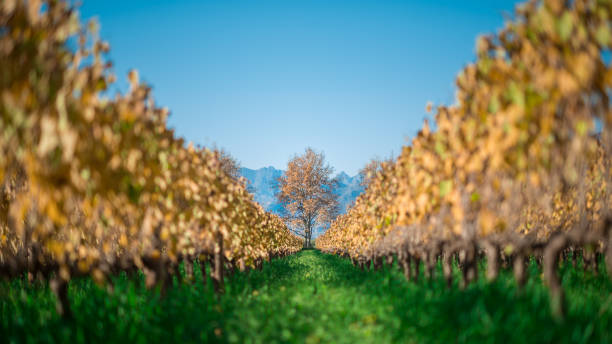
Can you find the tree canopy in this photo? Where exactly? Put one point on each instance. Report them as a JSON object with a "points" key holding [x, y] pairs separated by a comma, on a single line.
{"points": [[306, 191]]}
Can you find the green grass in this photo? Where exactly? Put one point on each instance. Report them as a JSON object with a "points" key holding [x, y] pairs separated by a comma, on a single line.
{"points": [[313, 297]]}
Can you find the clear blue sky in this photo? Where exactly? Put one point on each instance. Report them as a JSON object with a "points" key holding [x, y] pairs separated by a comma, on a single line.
{"points": [[265, 79]]}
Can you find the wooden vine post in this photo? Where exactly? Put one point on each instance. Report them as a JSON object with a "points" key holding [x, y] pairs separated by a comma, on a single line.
{"points": [[217, 264]]}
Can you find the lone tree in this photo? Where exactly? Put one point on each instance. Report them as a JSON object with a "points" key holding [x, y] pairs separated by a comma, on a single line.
{"points": [[307, 193]]}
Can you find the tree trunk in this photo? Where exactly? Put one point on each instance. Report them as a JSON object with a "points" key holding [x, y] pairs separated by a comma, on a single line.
{"points": [[417, 269], [519, 269], [389, 260], [589, 260], [405, 265], [59, 287], [218, 262], [188, 267], [377, 260], [551, 264], [608, 258], [447, 264], [469, 266], [430, 264], [165, 275], [492, 251], [203, 270]]}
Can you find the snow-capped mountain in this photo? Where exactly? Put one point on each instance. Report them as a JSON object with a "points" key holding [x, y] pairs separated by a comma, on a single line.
{"points": [[262, 183]]}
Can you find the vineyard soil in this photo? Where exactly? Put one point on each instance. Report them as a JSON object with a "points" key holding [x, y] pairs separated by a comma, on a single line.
{"points": [[313, 297]]}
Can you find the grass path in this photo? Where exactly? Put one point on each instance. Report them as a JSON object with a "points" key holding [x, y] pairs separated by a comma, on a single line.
{"points": [[312, 297]]}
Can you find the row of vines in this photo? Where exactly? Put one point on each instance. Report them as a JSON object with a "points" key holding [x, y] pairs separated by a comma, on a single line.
{"points": [[92, 185], [518, 169]]}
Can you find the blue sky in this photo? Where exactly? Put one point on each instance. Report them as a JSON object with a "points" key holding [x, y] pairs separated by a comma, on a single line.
{"points": [[266, 79]]}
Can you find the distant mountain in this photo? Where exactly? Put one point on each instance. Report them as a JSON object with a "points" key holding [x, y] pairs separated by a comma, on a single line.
{"points": [[348, 190], [262, 184]]}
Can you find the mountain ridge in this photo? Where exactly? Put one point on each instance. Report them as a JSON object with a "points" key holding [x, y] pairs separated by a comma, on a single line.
{"points": [[262, 183]]}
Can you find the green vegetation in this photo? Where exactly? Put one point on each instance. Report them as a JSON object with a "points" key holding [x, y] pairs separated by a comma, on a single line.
{"points": [[313, 297]]}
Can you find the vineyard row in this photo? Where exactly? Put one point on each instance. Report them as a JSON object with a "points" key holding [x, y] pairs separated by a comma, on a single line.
{"points": [[519, 167], [92, 185]]}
